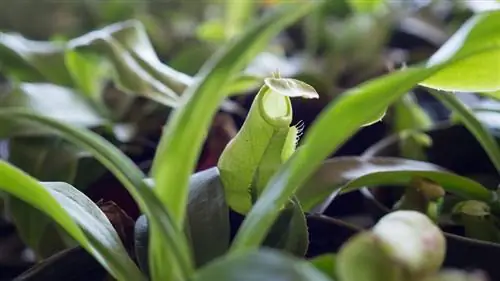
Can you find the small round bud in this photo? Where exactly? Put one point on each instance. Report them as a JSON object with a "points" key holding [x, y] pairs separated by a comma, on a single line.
{"points": [[413, 241]]}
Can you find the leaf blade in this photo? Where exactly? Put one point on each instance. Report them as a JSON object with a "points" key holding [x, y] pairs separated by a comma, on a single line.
{"points": [[92, 237]]}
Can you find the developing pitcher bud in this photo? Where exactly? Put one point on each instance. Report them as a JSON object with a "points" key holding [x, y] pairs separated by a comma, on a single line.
{"points": [[364, 257], [413, 241]]}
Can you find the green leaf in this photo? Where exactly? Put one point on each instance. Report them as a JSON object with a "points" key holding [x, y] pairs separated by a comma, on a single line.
{"points": [[49, 100], [452, 183], [211, 31], [326, 264], [33, 61], [35, 155], [338, 171], [467, 117], [477, 73], [89, 73], [208, 216], [321, 140], [182, 138], [129, 175], [128, 73], [289, 232], [363, 6], [137, 67], [262, 265], [77, 214], [237, 16]]}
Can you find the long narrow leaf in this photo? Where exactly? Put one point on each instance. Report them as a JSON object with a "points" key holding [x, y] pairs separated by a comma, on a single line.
{"points": [[77, 214], [351, 110], [350, 172], [129, 175], [189, 123], [470, 121]]}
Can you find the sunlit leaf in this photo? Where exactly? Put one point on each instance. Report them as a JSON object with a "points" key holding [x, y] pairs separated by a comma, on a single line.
{"points": [[478, 73]]}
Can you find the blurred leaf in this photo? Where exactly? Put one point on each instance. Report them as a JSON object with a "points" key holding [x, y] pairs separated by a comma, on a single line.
{"points": [[33, 61], [212, 31], [132, 36], [467, 117], [363, 6], [408, 116], [242, 84], [262, 265], [190, 58], [49, 100], [128, 174], [477, 73], [237, 16], [493, 95], [326, 264], [128, 73], [89, 74], [77, 214]]}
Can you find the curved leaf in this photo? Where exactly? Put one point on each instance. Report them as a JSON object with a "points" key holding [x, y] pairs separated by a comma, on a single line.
{"points": [[77, 214], [452, 183], [34, 155], [262, 265], [33, 61], [182, 138], [338, 171], [477, 73], [49, 100], [129, 175]]}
